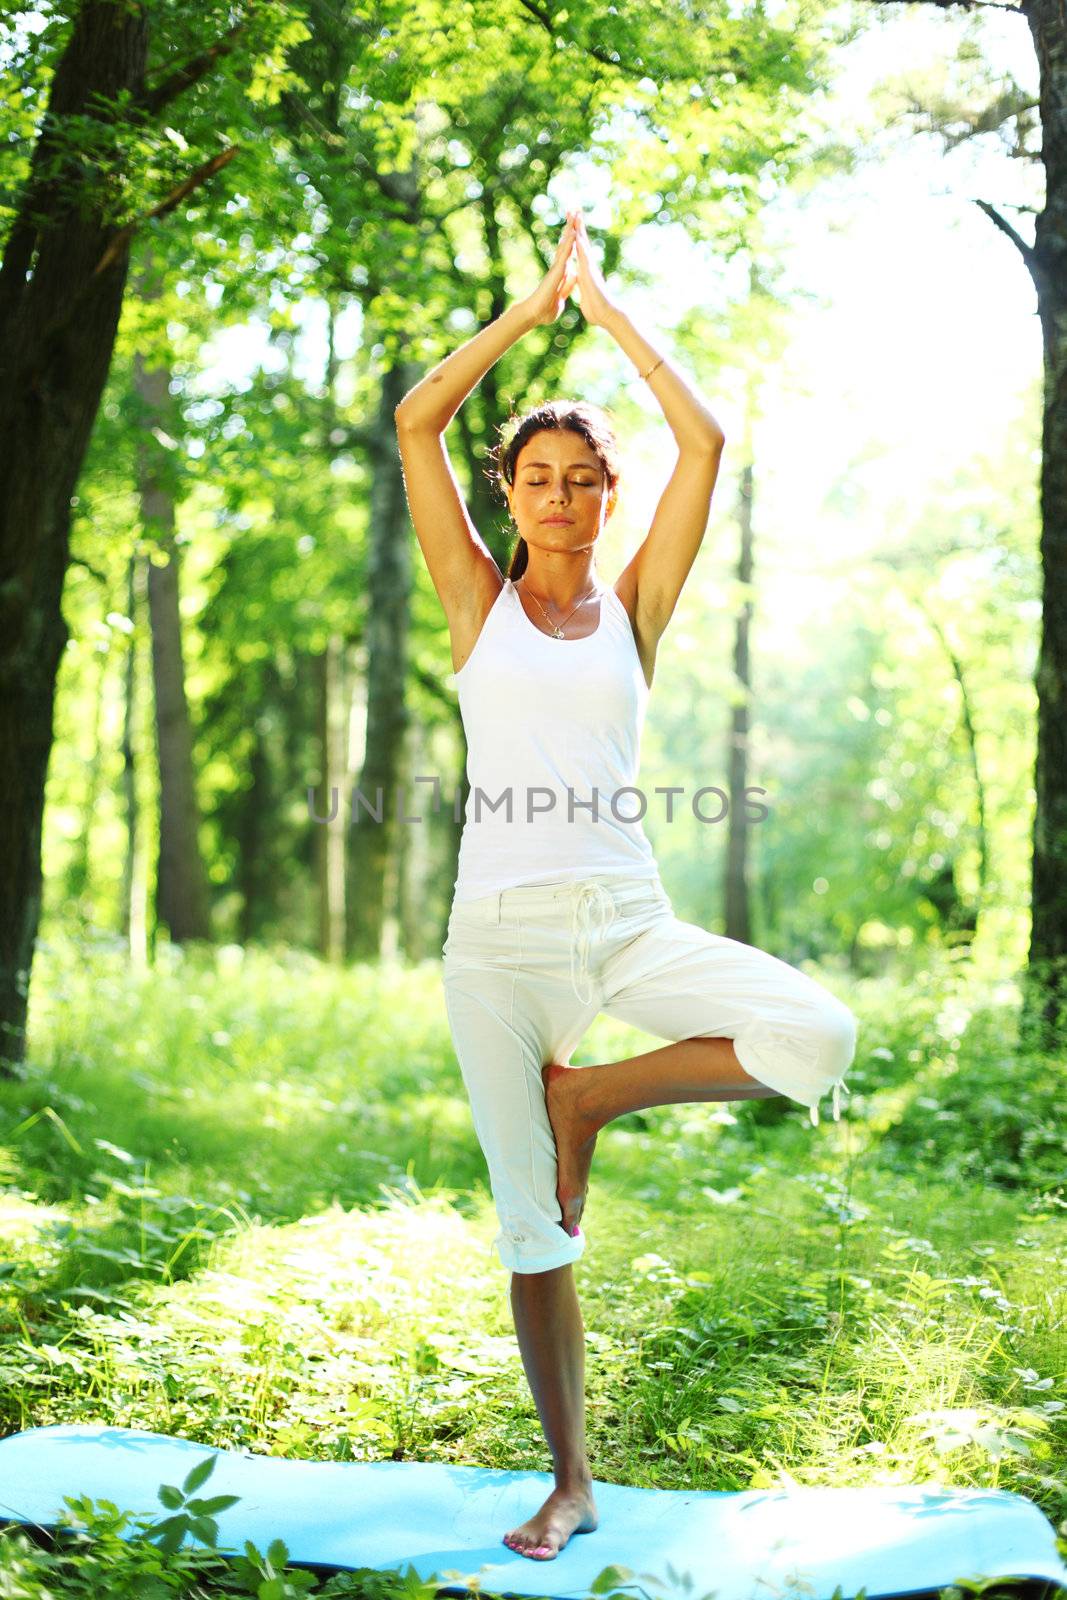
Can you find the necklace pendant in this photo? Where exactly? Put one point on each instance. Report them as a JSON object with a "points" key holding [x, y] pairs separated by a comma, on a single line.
{"points": [[558, 634]]}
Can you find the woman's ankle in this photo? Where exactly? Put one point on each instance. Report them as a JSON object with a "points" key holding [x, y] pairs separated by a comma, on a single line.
{"points": [[575, 1480]]}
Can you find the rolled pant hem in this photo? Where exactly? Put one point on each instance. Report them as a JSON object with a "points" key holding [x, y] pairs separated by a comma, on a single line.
{"points": [[570, 1250], [756, 1067]]}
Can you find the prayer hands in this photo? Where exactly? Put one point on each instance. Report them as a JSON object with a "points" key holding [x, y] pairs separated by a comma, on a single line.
{"points": [[573, 267], [596, 307]]}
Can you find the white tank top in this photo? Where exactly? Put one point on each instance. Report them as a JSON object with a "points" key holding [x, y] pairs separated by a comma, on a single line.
{"points": [[551, 719]]}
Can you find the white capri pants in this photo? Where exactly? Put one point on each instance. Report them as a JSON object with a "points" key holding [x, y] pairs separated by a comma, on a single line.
{"points": [[526, 970]]}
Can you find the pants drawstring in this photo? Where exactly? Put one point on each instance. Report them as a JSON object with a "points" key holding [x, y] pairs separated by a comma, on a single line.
{"points": [[588, 898], [813, 1111]]}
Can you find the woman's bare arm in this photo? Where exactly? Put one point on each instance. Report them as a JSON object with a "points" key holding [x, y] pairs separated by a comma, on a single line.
{"points": [[458, 559], [436, 398], [663, 561]]}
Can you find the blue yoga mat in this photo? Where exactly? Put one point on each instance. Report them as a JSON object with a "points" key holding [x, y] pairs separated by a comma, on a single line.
{"points": [[447, 1521]]}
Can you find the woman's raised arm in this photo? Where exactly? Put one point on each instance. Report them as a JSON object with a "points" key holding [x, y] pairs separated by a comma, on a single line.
{"points": [[436, 398], [457, 557]]}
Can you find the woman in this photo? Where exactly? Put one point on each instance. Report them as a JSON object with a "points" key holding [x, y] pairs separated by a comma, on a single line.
{"points": [[559, 912]]}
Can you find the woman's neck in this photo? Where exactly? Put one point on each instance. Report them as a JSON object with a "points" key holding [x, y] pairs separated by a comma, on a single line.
{"points": [[557, 591]]}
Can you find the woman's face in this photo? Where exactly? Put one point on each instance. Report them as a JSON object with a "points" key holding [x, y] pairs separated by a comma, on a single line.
{"points": [[557, 474]]}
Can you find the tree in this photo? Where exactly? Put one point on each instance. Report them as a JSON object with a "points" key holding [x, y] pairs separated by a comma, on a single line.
{"points": [[62, 280]]}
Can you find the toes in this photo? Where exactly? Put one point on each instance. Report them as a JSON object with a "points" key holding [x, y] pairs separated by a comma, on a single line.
{"points": [[518, 1543]]}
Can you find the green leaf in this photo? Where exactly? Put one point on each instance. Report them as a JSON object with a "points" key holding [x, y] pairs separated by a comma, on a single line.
{"points": [[207, 1508], [200, 1473], [205, 1529], [610, 1578]]}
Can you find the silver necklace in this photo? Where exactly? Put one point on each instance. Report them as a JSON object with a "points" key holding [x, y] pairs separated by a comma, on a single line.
{"points": [[557, 628]]}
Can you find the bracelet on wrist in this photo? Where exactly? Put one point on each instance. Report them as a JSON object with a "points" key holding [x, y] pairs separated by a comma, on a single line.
{"points": [[652, 368]]}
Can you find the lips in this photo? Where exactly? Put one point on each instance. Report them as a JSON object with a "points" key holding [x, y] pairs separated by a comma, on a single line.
{"points": [[564, 521]]}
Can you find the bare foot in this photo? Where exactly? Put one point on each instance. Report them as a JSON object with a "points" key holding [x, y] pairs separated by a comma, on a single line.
{"points": [[575, 1137], [566, 1511]]}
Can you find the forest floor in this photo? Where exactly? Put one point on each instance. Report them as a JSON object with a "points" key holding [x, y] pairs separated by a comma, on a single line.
{"points": [[242, 1203]]}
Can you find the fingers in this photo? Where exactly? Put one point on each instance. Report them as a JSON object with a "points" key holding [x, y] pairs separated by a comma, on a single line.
{"points": [[574, 229]]}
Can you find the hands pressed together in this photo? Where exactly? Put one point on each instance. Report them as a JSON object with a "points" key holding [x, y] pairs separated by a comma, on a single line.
{"points": [[573, 267]]}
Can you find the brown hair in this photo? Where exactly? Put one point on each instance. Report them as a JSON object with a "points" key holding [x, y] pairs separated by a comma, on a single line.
{"points": [[588, 421]]}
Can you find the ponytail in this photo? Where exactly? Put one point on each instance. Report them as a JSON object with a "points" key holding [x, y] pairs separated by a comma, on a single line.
{"points": [[520, 559]]}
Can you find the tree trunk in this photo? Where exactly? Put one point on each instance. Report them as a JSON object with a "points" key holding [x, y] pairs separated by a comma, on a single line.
{"points": [[134, 897], [383, 777], [181, 881], [738, 922], [58, 319], [1047, 990], [963, 916], [419, 859], [79, 877], [334, 797], [253, 812]]}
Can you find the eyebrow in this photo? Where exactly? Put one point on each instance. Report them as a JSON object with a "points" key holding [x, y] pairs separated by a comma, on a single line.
{"points": [[588, 466]]}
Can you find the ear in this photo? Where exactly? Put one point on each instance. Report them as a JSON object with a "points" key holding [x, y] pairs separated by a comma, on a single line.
{"points": [[613, 495]]}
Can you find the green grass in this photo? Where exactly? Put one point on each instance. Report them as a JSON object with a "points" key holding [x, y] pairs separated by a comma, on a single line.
{"points": [[244, 1204]]}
